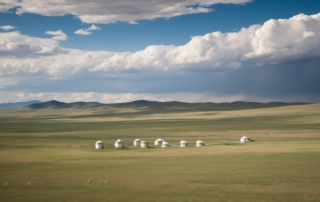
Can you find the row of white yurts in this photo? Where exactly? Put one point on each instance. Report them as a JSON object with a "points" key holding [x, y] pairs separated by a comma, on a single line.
{"points": [[158, 142], [183, 143], [144, 144], [120, 144]]}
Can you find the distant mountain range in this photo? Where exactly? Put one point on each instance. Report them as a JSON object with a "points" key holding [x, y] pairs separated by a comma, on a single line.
{"points": [[17, 105], [162, 105]]}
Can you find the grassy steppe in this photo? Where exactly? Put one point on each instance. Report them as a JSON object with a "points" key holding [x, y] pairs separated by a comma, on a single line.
{"points": [[49, 155]]}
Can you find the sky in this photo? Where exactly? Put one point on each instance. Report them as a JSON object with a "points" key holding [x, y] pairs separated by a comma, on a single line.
{"points": [[163, 50]]}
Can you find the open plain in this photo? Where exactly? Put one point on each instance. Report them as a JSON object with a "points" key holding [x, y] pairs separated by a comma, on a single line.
{"points": [[48, 154]]}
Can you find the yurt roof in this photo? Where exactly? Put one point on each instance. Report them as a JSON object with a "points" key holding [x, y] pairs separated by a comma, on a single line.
{"points": [[159, 139], [137, 140], [98, 142], [199, 141], [118, 140], [243, 137], [164, 142], [182, 141]]}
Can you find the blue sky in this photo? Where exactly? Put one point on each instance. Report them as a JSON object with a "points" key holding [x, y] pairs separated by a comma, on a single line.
{"points": [[270, 60], [122, 36]]}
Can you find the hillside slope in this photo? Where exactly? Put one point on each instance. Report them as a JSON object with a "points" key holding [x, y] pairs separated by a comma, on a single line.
{"points": [[17, 105]]}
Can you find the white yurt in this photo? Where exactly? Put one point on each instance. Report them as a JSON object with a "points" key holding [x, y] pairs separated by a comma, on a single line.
{"points": [[183, 143], [118, 144], [165, 144], [244, 139], [99, 145], [144, 144], [199, 143], [158, 142], [137, 142]]}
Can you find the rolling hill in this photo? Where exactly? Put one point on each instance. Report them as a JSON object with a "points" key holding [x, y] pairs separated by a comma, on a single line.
{"points": [[163, 105]]}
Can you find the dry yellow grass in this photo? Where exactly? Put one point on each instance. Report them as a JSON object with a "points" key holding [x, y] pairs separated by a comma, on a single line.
{"points": [[54, 149]]}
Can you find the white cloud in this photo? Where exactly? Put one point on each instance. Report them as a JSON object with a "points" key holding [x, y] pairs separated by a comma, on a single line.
{"points": [[82, 32], [14, 44], [110, 11], [284, 39], [93, 27], [80, 96], [86, 31], [58, 35], [273, 42], [7, 27]]}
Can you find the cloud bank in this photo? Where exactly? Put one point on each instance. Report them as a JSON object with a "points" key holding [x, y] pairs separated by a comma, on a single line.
{"points": [[110, 11], [279, 59], [274, 42], [80, 96]]}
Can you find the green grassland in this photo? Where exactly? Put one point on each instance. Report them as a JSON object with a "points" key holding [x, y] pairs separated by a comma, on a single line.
{"points": [[48, 154]]}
